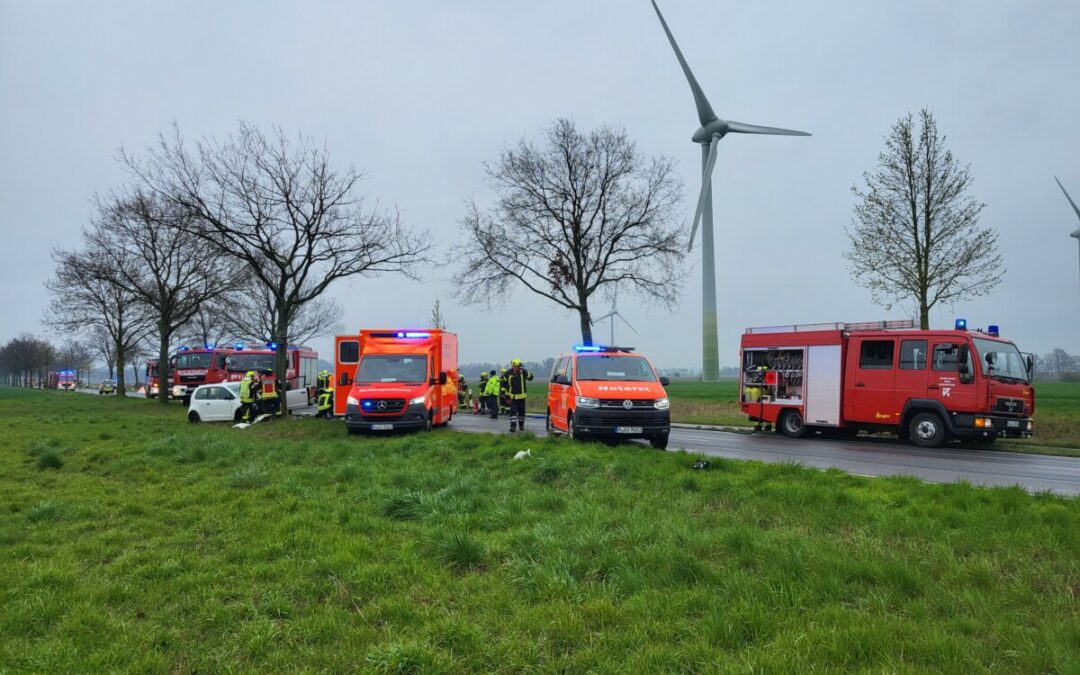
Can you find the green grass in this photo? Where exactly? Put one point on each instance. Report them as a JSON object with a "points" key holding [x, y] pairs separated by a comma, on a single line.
{"points": [[170, 547]]}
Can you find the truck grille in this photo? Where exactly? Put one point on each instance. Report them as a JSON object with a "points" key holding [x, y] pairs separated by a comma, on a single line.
{"points": [[382, 406], [1011, 406]]}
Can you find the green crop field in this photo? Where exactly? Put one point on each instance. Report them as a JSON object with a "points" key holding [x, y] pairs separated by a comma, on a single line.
{"points": [[131, 541]]}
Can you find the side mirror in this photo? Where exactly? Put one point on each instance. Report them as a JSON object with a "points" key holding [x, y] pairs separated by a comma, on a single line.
{"points": [[1030, 362], [344, 380], [664, 381], [962, 367], [442, 378]]}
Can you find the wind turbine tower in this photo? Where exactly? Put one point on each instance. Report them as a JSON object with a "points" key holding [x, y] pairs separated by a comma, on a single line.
{"points": [[708, 135]]}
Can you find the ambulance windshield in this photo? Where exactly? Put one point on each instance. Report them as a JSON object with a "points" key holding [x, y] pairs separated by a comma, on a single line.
{"points": [[392, 368]]}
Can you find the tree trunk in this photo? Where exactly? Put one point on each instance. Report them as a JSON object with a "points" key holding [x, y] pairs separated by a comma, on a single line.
{"points": [[163, 367], [120, 365], [586, 325], [924, 312], [281, 357]]}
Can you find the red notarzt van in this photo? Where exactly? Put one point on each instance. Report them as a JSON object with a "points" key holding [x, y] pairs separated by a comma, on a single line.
{"points": [[389, 380], [608, 391]]}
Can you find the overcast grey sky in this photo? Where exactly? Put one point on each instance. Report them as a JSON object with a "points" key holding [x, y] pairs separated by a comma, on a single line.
{"points": [[418, 94]]}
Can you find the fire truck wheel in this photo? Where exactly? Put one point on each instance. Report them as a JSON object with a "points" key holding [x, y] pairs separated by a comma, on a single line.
{"points": [[791, 424], [193, 417], [926, 430]]}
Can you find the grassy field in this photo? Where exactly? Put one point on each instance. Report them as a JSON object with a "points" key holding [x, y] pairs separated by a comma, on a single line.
{"points": [[132, 541], [1057, 411]]}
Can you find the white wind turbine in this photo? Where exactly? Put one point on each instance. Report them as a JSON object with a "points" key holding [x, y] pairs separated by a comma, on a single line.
{"points": [[1076, 232], [708, 135], [611, 316]]}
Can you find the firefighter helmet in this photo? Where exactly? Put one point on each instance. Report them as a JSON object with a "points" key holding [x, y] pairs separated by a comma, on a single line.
{"points": [[515, 362]]}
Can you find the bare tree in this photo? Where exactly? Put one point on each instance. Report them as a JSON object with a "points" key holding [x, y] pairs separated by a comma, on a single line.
{"points": [[109, 309], [586, 213], [1060, 362], [77, 355], [280, 207], [252, 318], [145, 242], [915, 233], [215, 321]]}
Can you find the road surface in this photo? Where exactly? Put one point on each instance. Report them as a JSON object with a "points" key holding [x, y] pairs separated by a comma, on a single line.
{"points": [[1034, 473]]}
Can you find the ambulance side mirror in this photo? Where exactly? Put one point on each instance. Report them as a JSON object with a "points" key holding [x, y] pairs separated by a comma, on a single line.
{"points": [[664, 381], [344, 380], [1029, 361], [442, 377]]}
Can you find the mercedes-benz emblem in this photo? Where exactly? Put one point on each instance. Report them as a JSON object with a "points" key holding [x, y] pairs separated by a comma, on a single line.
{"points": [[628, 404], [381, 405]]}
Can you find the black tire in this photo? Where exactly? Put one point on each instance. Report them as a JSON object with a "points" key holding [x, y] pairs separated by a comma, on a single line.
{"points": [[791, 424], [238, 416], [659, 442], [926, 430], [428, 426], [571, 430], [547, 424], [193, 417]]}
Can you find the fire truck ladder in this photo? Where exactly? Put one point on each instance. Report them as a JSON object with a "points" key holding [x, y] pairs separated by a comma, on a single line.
{"points": [[899, 324]]}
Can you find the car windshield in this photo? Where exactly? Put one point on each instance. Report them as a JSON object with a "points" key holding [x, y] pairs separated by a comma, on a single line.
{"points": [[1001, 360], [196, 360], [614, 369], [246, 362], [392, 368]]}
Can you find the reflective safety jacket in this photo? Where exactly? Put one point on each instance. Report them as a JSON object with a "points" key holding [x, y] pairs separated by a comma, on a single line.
{"points": [[269, 390], [516, 383], [492, 386], [245, 391], [326, 399]]}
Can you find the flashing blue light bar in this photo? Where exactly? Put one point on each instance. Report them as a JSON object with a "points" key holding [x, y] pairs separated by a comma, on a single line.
{"points": [[209, 345], [271, 345], [412, 334], [239, 346], [961, 324], [184, 348], [588, 348], [992, 329]]}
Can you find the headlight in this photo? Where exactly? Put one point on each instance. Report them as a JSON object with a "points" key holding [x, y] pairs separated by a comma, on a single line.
{"points": [[586, 402], [419, 400], [662, 404], [352, 400]]}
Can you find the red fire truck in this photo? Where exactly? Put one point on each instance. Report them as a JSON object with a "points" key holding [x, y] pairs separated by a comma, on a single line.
{"points": [[153, 381], [64, 380], [928, 386], [389, 380], [192, 367]]}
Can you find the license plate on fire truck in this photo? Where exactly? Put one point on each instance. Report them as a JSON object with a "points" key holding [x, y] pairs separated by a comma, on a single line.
{"points": [[382, 427], [628, 430], [1014, 424]]}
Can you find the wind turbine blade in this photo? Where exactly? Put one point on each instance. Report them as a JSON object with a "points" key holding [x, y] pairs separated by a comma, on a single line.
{"points": [[626, 322], [1071, 202], [706, 183], [704, 110], [598, 319], [740, 128]]}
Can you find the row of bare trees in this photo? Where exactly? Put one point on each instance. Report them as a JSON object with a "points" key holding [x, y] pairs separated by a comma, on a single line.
{"points": [[222, 240]]}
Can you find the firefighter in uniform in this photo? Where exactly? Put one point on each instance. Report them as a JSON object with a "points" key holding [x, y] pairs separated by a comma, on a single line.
{"points": [[504, 393], [462, 392], [491, 389], [517, 390], [268, 398], [326, 395], [247, 397], [481, 393]]}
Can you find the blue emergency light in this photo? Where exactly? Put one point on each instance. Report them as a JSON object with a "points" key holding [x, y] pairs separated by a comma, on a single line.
{"points": [[588, 348], [993, 330], [239, 346], [271, 345], [961, 324], [209, 345], [184, 348], [367, 404], [412, 334]]}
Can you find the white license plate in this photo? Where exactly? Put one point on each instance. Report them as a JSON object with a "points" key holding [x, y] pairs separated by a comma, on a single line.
{"points": [[382, 427], [628, 430], [1015, 424]]}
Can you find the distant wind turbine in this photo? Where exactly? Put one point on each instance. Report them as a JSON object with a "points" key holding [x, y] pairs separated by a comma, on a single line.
{"points": [[708, 135], [1076, 232], [612, 315]]}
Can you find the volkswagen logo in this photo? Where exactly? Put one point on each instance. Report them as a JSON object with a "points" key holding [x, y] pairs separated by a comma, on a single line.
{"points": [[628, 404], [381, 405]]}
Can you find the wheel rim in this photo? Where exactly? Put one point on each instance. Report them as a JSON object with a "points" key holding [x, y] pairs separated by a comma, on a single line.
{"points": [[926, 430], [793, 423], [570, 428]]}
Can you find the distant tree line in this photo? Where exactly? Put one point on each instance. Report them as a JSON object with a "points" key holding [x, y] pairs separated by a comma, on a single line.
{"points": [[1058, 364]]}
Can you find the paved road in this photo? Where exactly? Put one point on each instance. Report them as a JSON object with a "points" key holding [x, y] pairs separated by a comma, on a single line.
{"points": [[1034, 473]]}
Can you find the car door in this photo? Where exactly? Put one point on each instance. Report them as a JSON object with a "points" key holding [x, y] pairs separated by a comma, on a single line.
{"points": [[346, 360], [202, 404], [870, 398], [557, 392], [945, 384]]}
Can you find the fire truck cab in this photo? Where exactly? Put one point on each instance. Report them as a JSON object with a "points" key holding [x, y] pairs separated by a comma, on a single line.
{"points": [[928, 386], [396, 379], [195, 367]]}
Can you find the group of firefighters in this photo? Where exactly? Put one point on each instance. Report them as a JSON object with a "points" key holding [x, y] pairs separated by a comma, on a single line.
{"points": [[258, 397], [504, 391]]}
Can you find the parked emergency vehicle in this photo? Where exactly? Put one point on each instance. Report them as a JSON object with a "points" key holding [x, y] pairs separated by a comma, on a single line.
{"points": [[153, 381], [64, 380], [608, 391], [396, 379], [194, 367], [928, 386]]}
